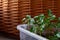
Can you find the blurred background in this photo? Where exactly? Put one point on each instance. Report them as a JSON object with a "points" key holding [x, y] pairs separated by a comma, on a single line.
{"points": [[12, 12]]}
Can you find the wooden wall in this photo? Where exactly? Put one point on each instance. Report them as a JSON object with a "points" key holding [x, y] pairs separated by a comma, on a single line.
{"points": [[12, 11]]}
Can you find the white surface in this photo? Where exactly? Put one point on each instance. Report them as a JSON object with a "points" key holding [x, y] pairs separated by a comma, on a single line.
{"points": [[22, 28]]}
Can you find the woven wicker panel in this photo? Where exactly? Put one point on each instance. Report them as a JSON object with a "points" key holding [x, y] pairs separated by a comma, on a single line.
{"points": [[50, 4], [1, 15], [41, 6], [10, 16], [5, 6], [24, 8], [13, 7], [14, 10], [36, 7], [58, 6]]}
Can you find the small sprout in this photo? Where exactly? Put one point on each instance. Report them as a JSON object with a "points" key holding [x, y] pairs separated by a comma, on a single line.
{"points": [[49, 12], [41, 24]]}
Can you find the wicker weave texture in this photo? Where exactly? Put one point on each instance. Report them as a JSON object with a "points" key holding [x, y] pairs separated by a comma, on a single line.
{"points": [[41, 6], [24, 7], [12, 11], [1, 15], [10, 16]]}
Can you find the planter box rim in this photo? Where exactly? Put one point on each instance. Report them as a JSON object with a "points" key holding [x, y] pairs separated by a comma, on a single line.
{"points": [[21, 28]]}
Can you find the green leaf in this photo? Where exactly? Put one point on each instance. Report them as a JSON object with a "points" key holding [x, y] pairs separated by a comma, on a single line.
{"points": [[36, 17], [53, 38], [58, 34], [59, 18], [52, 17], [50, 13], [44, 23], [33, 29], [47, 21], [32, 21], [58, 25], [41, 15], [28, 16], [41, 18]]}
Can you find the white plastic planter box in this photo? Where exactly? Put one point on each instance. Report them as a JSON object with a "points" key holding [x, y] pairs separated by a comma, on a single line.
{"points": [[27, 35]]}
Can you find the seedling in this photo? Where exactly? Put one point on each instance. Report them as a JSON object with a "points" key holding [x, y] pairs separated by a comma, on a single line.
{"points": [[44, 25]]}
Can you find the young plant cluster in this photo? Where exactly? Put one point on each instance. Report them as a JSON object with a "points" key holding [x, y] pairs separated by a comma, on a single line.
{"points": [[47, 26]]}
